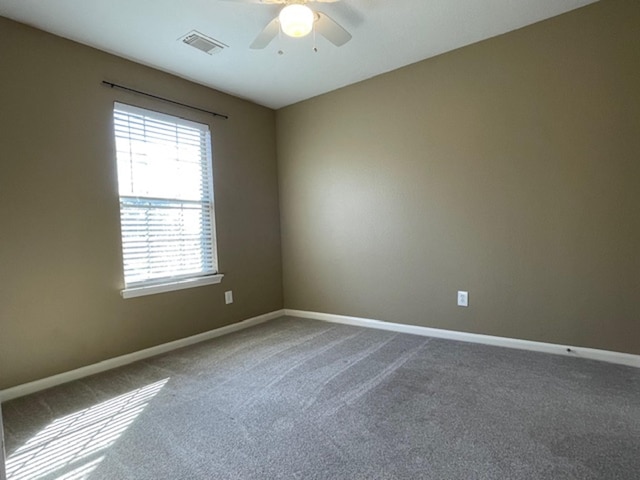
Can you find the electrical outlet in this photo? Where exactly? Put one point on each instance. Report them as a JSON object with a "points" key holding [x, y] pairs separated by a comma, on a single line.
{"points": [[228, 297], [463, 299]]}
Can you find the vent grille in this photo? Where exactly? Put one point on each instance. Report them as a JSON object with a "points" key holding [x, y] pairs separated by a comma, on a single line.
{"points": [[203, 43]]}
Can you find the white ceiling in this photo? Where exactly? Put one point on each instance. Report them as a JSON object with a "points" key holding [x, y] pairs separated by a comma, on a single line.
{"points": [[387, 34]]}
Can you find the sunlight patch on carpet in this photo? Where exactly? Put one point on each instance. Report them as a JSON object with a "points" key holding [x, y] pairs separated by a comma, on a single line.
{"points": [[69, 448]]}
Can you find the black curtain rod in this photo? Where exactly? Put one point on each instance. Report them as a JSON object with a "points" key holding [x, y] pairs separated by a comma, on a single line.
{"points": [[122, 87]]}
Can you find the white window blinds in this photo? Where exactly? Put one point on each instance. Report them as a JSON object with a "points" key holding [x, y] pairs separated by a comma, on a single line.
{"points": [[166, 197]]}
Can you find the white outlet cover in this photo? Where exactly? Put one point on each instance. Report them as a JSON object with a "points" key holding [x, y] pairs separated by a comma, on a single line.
{"points": [[463, 298], [228, 297]]}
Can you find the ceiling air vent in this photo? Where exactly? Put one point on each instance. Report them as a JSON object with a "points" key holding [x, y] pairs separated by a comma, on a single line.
{"points": [[203, 43]]}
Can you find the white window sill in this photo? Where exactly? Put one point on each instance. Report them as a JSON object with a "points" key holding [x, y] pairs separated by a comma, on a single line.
{"points": [[171, 286]]}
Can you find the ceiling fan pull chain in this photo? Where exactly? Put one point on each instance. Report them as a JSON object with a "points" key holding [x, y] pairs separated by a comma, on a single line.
{"points": [[280, 51], [315, 48]]}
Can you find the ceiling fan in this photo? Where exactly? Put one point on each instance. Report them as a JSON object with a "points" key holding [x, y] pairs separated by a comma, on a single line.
{"points": [[296, 19]]}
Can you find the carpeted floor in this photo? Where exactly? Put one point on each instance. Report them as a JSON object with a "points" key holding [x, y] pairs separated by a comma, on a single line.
{"points": [[302, 399]]}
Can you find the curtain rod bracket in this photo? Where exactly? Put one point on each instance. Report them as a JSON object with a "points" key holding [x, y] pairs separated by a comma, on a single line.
{"points": [[122, 87]]}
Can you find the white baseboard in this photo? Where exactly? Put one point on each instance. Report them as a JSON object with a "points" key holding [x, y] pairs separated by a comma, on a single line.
{"points": [[37, 385], [567, 350]]}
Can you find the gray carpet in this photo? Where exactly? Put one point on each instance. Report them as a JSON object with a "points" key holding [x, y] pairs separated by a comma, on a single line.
{"points": [[301, 399]]}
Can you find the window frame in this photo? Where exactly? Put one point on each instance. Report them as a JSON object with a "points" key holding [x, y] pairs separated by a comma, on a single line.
{"points": [[176, 282]]}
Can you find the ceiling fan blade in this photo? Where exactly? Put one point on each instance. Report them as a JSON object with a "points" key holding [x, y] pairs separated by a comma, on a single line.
{"points": [[330, 30], [265, 36]]}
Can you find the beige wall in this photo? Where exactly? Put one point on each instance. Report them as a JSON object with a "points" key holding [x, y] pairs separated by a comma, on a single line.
{"points": [[60, 258], [509, 168]]}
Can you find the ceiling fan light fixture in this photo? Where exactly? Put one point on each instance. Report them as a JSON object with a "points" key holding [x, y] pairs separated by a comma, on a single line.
{"points": [[296, 20]]}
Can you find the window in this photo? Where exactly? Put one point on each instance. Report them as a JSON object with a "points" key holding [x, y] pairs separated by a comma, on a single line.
{"points": [[166, 201]]}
